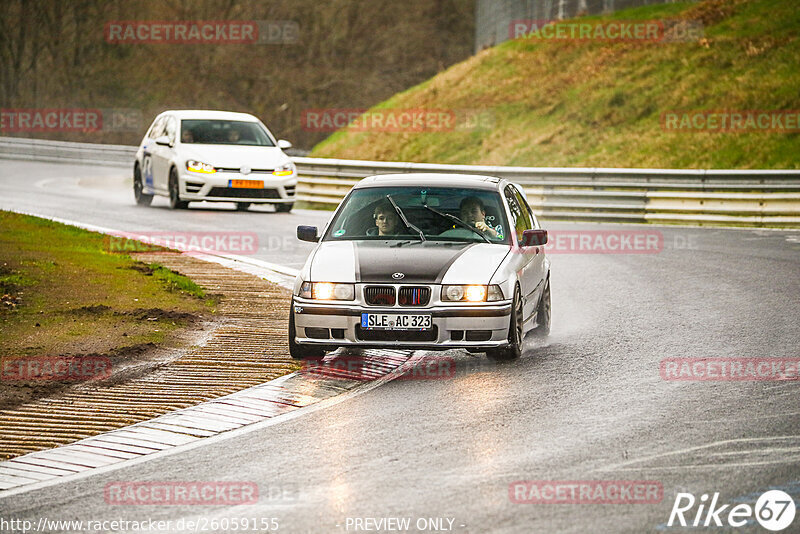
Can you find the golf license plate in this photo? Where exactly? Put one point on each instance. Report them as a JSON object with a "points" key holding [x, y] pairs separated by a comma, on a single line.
{"points": [[391, 321], [250, 184]]}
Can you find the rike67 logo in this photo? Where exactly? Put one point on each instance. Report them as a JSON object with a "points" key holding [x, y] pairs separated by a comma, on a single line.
{"points": [[774, 510]]}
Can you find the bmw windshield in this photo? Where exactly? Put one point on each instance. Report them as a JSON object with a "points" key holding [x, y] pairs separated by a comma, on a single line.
{"points": [[421, 214]]}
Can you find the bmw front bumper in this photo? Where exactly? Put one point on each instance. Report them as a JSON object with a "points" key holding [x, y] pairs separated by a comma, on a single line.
{"points": [[333, 324]]}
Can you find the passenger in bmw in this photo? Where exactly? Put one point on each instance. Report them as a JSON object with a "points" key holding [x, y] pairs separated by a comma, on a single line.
{"points": [[473, 213], [387, 221]]}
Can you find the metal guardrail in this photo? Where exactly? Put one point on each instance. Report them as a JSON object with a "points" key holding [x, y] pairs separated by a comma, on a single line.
{"points": [[719, 197], [762, 198], [87, 153]]}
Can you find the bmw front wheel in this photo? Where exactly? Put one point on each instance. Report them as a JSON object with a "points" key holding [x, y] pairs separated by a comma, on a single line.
{"points": [[513, 349], [297, 351]]}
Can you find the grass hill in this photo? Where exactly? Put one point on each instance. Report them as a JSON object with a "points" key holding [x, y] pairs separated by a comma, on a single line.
{"points": [[600, 103]]}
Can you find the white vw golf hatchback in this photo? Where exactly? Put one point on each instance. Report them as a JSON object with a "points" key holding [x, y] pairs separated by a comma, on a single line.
{"points": [[192, 155]]}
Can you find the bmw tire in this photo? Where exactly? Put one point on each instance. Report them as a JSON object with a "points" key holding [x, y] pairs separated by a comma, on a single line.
{"points": [[513, 349]]}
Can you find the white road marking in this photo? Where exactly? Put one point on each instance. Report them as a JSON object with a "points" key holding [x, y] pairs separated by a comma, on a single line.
{"points": [[628, 465]]}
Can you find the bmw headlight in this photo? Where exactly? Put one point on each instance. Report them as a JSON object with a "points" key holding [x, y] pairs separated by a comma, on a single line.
{"points": [[198, 166], [327, 291], [471, 293], [287, 169]]}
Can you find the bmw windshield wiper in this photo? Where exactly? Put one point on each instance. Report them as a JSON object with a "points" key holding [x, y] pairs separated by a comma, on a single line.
{"points": [[457, 221], [403, 217]]}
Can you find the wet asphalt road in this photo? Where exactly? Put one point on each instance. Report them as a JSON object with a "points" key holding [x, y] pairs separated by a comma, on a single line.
{"points": [[587, 403]]}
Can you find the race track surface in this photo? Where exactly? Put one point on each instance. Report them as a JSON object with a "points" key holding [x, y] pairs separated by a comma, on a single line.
{"points": [[587, 403]]}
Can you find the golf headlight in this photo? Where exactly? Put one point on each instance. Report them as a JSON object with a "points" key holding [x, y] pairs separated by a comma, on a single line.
{"points": [[198, 166], [286, 169], [471, 293], [327, 291]]}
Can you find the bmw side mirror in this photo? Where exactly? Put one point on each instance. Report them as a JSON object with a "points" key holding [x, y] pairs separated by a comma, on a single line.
{"points": [[163, 140], [534, 238], [284, 144], [307, 233]]}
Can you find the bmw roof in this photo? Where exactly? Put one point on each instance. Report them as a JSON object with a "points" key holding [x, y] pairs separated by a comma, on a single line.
{"points": [[431, 179]]}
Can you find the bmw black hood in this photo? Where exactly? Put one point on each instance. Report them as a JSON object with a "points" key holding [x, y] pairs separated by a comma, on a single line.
{"points": [[419, 262]]}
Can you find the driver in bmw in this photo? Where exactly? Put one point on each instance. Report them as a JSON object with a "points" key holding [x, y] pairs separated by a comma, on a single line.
{"points": [[474, 213], [387, 221]]}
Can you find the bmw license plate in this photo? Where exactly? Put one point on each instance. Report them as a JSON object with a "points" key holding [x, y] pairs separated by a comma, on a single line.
{"points": [[391, 321]]}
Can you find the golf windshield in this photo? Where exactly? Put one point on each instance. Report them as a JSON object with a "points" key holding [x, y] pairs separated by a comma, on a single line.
{"points": [[221, 132], [438, 213]]}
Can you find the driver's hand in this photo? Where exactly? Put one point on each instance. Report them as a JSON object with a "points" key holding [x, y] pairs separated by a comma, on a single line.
{"points": [[485, 228]]}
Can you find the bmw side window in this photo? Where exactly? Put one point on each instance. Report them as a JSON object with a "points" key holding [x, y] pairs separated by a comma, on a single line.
{"points": [[514, 208], [525, 212], [527, 206]]}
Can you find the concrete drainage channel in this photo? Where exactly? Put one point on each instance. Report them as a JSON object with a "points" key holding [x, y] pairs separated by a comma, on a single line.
{"points": [[246, 349], [228, 416], [223, 388]]}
